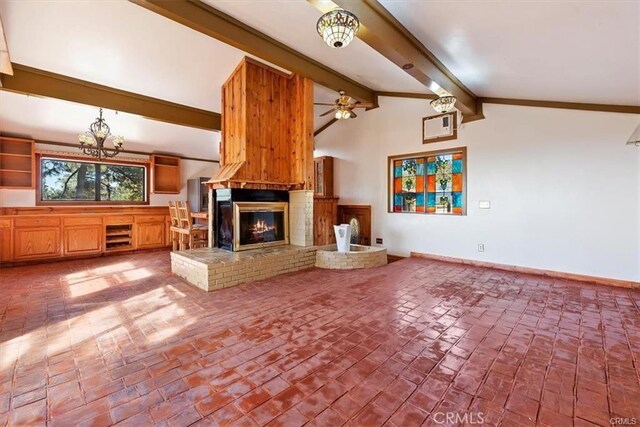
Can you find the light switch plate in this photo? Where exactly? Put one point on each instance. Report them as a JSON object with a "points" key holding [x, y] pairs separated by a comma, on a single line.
{"points": [[484, 204]]}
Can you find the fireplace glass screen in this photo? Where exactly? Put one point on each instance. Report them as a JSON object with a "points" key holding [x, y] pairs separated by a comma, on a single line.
{"points": [[261, 227], [259, 224]]}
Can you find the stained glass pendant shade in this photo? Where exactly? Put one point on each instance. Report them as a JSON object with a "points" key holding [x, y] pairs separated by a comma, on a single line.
{"points": [[338, 28], [431, 184]]}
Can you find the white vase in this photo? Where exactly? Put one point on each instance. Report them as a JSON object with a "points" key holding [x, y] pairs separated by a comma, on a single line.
{"points": [[343, 237]]}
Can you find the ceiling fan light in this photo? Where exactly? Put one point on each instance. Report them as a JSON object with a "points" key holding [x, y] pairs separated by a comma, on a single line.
{"points": [[338, 115], [444, 104], [346, 114], [338, 28]]}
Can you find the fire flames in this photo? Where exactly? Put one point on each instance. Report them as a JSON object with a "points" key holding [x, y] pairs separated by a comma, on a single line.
{"points": [[262, 227]]}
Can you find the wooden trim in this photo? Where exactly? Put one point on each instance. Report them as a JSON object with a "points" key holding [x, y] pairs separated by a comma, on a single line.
{"points": [[454, 116], [210, 21], [324, 126], [143, 153], [609, 108], [37, 82], [390, 160], [530, 270], [83, 210], [40, 202], [384, 33]]}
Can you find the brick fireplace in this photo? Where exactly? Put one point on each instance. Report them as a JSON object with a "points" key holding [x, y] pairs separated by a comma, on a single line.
{"points": [[261, 208]]}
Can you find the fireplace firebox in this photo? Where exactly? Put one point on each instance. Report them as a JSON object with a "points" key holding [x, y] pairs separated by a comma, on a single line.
{"points": [[249, 219]]}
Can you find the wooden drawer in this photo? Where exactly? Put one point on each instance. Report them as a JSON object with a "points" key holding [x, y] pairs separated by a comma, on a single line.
{"points": [[37, 222], [149, 218], [86, 220], [118, 219]]}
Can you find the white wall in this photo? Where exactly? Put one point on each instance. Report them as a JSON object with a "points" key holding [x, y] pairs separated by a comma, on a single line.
{"points": [[189, 169], [564, 188]]}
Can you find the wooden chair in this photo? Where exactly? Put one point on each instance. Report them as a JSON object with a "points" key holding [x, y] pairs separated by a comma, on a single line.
{"points": [[174, 230], [190, 234]]}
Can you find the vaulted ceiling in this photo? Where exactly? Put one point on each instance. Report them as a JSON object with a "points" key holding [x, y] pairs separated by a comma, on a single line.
{"points": [[562, 51]]}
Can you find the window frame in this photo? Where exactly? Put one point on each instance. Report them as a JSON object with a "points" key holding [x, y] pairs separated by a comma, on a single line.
{"points": [[425, 154], [72, 158]]}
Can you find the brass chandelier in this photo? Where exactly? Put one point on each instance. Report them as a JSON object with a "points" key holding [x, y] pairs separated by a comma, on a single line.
{"points": [[92, 141]]}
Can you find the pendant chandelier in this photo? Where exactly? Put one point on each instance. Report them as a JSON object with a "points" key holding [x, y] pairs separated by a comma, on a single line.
{"points": [[443, 104], [338, 27], [92, 141]]}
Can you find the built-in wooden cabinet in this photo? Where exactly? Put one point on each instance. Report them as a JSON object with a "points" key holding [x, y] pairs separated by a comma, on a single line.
{"points": [[325, 216], [33, 237], [36, 243], [6, 247], [17, 163], [84, 239], [165, 174], [323, 176], [150, 231]]}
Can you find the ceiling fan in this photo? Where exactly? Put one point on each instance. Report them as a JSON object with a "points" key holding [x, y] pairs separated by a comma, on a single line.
{"points": [[344, 106]]}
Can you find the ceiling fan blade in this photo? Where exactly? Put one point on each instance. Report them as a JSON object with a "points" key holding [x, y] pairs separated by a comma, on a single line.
{"points": [[323, 103], [328, 112], [353, 115], [364, 105]]}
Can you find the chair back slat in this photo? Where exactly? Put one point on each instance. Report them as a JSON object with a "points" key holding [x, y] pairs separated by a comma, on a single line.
{"points": [[184, 215], [173, 213]]}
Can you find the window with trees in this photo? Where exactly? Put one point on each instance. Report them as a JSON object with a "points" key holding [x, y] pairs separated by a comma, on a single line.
{"points": [[67, 180]]}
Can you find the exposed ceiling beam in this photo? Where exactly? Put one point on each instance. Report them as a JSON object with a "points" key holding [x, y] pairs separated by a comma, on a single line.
{"points": [[214, 23], [384, 33], [630, 109], [324, 126], [5, 60], [33, 81], [408, 95]]}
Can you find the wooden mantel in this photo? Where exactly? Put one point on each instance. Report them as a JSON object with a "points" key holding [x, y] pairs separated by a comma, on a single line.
{"points": [[267, 130]]}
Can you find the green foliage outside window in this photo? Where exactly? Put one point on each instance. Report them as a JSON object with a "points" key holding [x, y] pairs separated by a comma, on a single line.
{"points": [[70, 180]]}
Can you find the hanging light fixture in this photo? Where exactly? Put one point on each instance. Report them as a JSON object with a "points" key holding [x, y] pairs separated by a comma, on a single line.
{"points": [[92, 141], [443, 104], [343, 113], [338, 27]]}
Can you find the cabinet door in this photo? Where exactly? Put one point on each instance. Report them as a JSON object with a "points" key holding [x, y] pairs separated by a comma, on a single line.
{"points": [[150, 235], [6, 247], [83, 240], [33, 243]]}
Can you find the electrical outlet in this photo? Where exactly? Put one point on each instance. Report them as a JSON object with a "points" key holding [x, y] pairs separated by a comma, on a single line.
{"points": [[480, 247], [378, 240], [484, 204]]}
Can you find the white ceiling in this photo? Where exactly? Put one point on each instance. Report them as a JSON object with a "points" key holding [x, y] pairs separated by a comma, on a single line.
{"points": [[293, 23], [560, 50], [60, 121], [574, 51]]}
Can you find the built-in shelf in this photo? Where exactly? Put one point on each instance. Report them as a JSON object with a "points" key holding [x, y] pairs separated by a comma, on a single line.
{"points": [[17, 163], [118, 237], [165, 174]]}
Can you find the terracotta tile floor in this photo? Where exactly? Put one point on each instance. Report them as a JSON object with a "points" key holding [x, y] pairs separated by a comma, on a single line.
{"points": [[120, 340]]}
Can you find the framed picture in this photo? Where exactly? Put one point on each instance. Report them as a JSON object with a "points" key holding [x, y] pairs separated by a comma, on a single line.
{"points": [[432, 182], [443, 127]]}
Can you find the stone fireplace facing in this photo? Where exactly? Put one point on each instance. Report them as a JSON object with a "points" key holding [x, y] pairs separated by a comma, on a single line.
{"points": [[251, 219]]}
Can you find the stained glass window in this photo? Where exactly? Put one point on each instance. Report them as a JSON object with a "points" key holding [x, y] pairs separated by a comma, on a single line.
{"points": [[431, 183]]}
